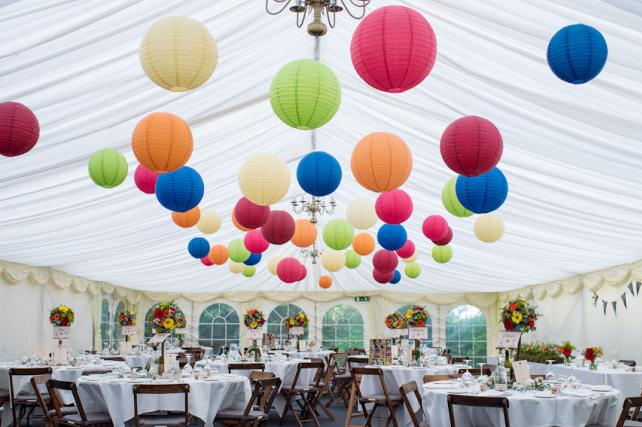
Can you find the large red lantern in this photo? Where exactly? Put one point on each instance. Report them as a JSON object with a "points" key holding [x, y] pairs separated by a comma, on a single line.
{"points": [[255, 242], [19, 129], [289, 270], [279, 228], [394, 207], [407, 250], [382, 277], [435, 227], [385, 261], [471, 146], [446, 239], [249, 214], [393, 49]]}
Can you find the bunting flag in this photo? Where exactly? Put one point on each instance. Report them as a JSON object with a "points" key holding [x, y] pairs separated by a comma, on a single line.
{"points": [[624, 300], [631, 289], [595, 298], [622, 297], [604, 305], [637, 287], [614, 304]]}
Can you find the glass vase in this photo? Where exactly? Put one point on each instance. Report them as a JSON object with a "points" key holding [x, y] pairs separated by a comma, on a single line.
{"points": [[593, 366]]}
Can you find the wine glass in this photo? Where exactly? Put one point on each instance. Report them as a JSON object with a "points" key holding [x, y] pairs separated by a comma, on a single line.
{"points": [[467, 377], [550, 376]]}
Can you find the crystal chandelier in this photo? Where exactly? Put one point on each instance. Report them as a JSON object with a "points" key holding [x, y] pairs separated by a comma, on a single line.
{"points": [[318, 8], [313, 207]]}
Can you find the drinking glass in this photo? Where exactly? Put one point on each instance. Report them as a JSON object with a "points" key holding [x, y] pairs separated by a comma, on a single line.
{"points": [[550, 376]]}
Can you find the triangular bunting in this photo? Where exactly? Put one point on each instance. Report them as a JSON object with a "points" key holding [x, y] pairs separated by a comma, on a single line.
{"points": [[624, 299], [604, 305], [631, 289], [637, 288], [614, 304], [595, 298]]}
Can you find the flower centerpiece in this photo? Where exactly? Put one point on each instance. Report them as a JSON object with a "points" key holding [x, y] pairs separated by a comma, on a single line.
{"points": [[254, 321], [166, 317], [395, 321], [540, 352], [519, 316], [296, 325], [127, 322], [61, 316], [592, 354], [416, 317], [566, 350]]}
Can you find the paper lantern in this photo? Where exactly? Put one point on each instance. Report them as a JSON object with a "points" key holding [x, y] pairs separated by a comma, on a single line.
{"points": [[305, 94], [396, 278], [383, 277], [236, 223], [162, 142], [279, 228], [392, 236], [207, 261], [107, 168], [289, 270], [236, 267], [385, 261], [219, 254], [407, 250], [250, 215], [209, 223], [446, 239], [442, 254], [19, 129], [489, 228], [273, 263], [381, 161], [237, 250], [303, 272], [361, 214], [471, 146], [145, 179], [363, 244], [451, 202], [178, 53], [318, 173], [180, 191], [332, 260], [338, 234], [410, 259], [249, 271], [264, 179], [325, 282], [394, 207], [577, 53], [198, 247], [305, 233], [484, 193], [393, 49], [187, 219], [253, 259], [353, 260], [255, 242], [412, 270], [435, 227]]}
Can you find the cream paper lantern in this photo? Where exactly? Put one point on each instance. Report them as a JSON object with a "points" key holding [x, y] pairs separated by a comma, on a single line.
{"points": [[237, 267], [272, 264], [332, 260], [489, 228], [410, 259], [264, 179], [361, 214], [178, 53], [210, 222]]}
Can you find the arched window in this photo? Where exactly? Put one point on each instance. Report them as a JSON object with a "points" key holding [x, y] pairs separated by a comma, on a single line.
{"points": [[116, 329], [342, 328], [425, 343], [275, 320], [148, 325], [105, 325], [218, 327], [466, 333]]}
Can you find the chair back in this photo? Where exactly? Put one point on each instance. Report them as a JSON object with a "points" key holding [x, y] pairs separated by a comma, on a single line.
{"points": [[340, 359], [359, 372], [197, 353], [356, 361], [309, 365], [39, 382], [269, 390], [53, 386], [356, 351], [433, 378], [245, 367], [161, 389], [484, 402], [631, 363], [113, 358], [629, 403], [259, 375], [24, 372], [458, 359], [418, 417], [89, 372]]}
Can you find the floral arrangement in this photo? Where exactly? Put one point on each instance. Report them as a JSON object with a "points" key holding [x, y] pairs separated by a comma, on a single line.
{"points": [[416, 317], [166, 317], [395, 321], [295, 321], [61, 316], [127, 318], [539, 352], [593, 353], [253, 318], [519, 316], [566, 349]]}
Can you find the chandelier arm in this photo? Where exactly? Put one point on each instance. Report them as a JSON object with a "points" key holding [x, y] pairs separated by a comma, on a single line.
{"points": [[302, 20], [360, 6], [267, 7], [331, 19]]}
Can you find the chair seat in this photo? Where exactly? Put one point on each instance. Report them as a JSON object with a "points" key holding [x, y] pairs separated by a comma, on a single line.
{"points": [[395, 399], [285, 390], [231, 414], [66, 410], [161, 420], [92, 418], [343, 377], [29, 398]]}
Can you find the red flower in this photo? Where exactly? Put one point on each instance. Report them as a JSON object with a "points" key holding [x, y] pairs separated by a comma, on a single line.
{"points": [[589, 355], [65, 321], [158, 313], [567, 352], [165, 313], [513, 307], [509, 325], [531, 324]]}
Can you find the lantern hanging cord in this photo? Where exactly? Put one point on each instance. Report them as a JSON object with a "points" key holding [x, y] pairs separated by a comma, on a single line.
{"points": [[317, 57]]}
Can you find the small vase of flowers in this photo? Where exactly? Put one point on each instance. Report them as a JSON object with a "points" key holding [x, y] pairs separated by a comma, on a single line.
{"points": [[127, 322], [61, 318], [416, 317], [566, 350], [592, 354]]}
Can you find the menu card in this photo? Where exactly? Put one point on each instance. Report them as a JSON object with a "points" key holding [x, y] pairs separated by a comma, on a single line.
{"points": [[158, 339], [296, 331], [418, 333], [522, 371], [508, 339], [255, 334]]}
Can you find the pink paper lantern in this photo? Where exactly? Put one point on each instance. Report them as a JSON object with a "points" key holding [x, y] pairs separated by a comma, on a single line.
{"points": [[435, 227], [19, 129], [382, 277], [250, 215], [394, 207], [303, 272], [393, 49], [407, 250], [255, 242], [447, 238], [279, 228], [145, 179], [385, 261], [289, 270], [207, 261]]}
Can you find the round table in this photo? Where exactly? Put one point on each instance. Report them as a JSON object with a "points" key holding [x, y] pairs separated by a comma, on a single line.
{"points": [[137, 360]]}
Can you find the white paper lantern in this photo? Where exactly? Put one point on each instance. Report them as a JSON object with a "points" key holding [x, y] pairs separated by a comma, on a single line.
{"points": [[264, 179], [489, 228], [332, 260], [361, 214], [210, 222]]}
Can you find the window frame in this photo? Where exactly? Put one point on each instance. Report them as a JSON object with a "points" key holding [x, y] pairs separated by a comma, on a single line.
{"points": [[231, 321], [291, 310], [474, 322], [350, 341]]}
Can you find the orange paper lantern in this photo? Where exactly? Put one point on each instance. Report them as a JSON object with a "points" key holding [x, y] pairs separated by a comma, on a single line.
{"points": [[237, 225], [162, 142], [305, 233], [325, 282], [363, 244], [381, 161], [187, 219], [218, 254]]}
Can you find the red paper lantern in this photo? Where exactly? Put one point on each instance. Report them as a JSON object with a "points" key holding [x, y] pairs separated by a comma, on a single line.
{"points": [[446, 239], [407, 250], [303, 272], [279, 228], [255, 242], [393, 49], [385, 261], [145, 179], [249, 214], [435, 227], [394, 207], [19, 129], [289, 270], [382, 277], [207, 261], [471, 146]]}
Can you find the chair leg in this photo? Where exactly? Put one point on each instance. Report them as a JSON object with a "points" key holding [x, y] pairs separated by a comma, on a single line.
{"points": [[296, 417], [393, 417], [368, 422]]}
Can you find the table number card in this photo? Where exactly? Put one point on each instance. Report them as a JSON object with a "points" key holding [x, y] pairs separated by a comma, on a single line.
{"points": [[61, 332], [418, 333], [128, 331], [508, 339], [522, 371], [296, 330], [255, 334]]}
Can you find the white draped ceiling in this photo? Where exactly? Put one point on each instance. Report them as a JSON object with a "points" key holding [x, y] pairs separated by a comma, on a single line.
{"points": [[571, 153]]}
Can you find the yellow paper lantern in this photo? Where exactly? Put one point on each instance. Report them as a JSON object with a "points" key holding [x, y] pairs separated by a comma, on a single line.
{"points": [[237, 267], [361, 214], [333, 260], [272, 263], [264, 179], [210, 222], [489, 228], [178, 53], [410, 259]]}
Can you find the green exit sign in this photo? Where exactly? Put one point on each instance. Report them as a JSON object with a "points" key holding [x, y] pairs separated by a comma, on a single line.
{"points": [[362, 299]]}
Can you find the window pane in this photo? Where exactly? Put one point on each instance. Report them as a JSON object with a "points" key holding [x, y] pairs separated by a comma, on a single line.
{"points": [[466, 332], [342, 327], [218, 326]]}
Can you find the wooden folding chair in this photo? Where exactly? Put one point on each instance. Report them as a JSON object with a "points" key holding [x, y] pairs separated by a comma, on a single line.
{"points": [[253, 414], [113, 358], [386, 400], [258, 376], [96, 371], [79, 419], [245, 367], [433, 378], [630, 403], [418, 417], [24, 402], [341, 380], [458, 359], [38, 382], [325, 389], [174, 419], [356, 351], [481, 402], [303, 395]]}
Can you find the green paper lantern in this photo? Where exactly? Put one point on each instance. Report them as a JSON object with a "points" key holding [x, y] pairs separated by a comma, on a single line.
{"points": [[338, 234], [108, 168], [305, 94], [237, 250], [451, 202], [249, 271], [353, 259], [412, 270], [442, 254]]}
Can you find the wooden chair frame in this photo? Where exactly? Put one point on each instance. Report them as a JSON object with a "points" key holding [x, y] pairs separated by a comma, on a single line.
{"points": [[433, 378], [245, 367], [482, 402], [406, 390], [306, 393], [25, 406], [36, 382], [52, 387], [267, 387], [162, 389], [390, 404], [629, 403]]}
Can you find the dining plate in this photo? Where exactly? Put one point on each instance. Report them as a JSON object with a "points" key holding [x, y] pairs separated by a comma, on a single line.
{"points": [[603, 388]]}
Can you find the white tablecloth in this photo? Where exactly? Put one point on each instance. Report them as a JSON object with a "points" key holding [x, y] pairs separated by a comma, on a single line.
{"points": [[137, 361], [206, 398]]}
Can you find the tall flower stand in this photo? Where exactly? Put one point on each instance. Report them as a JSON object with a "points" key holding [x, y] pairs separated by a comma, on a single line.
{"points": [[126, 345], [255, 335], [60, 352], [297, 331], [418, 334]]}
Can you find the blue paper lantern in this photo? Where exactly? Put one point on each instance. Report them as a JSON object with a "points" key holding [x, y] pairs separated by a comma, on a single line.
{"points": [[484, 193], [392, 236], [253, 259], [198, 247], [181, 190], [318, 173], [396, 278], [577, 53]]}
